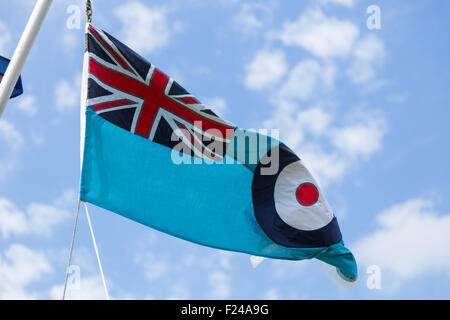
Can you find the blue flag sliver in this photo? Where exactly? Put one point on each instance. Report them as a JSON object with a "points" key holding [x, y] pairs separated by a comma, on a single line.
{"points": [[18, 89]]}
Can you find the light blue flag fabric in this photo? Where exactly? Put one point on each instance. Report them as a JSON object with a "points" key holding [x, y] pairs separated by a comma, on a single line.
{"points": [[155, 154]]}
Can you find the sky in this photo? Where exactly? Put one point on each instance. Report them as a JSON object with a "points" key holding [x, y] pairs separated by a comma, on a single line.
{"points": [[359, 89]]}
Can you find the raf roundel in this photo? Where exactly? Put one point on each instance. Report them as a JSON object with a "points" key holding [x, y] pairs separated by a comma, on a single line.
{"points": [[297, 199], [289, 206]]}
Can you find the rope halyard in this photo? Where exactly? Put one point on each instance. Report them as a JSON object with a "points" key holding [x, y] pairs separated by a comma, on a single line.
{"points": [[89, 11], [96, 251], [71, 249], [95, 248]]}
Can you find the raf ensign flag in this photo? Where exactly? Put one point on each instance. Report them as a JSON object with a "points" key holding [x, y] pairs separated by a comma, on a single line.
{"points": [[153, 153]]}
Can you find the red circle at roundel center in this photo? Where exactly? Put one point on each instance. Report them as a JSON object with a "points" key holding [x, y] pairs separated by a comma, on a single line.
{"points": [[307, 194]]}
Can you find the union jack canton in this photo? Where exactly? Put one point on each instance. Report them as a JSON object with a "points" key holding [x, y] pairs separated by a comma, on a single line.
{"points": [[133, 94]]}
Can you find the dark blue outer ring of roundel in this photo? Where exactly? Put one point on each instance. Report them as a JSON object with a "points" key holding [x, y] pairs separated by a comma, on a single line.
{"points": [[263, 188], [18, 88]]}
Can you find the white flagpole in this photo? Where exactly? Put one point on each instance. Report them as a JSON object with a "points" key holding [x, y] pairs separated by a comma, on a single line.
{"points": [[23, 49], [96, 251]]}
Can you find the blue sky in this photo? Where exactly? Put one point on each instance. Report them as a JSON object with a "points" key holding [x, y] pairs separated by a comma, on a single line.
{"points": [[367, 110]]}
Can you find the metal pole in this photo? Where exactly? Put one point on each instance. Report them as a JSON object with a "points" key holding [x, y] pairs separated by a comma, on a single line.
{"points": [[23, 49]]}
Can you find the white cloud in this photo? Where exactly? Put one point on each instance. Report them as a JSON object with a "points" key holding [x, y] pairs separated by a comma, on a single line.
{"points": [[295, 123], [38, 138], [323, 36], [42, 218], [27, 104], [20, 267], [90, 288], [10, 135], [67, 199], [229, 3], [161, 268], [285, 119], [308, 130], [411, 239], [217, 104], [326, 167], [362, 138], [217, 259], [398, 98], [308, 80], [220, 284], [358, 140], [12, 220], [305, 79], [5, 37], [67, 94], [351, 143], [145, 29], [285, 269], [369, 53], [345, 3], [315, 119], [303, 99], [39, 219], [11, 142], [252, 17], [225, 259], [271, 294], [178, 292], [154, 268], [369, 49], [265, 70]]}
